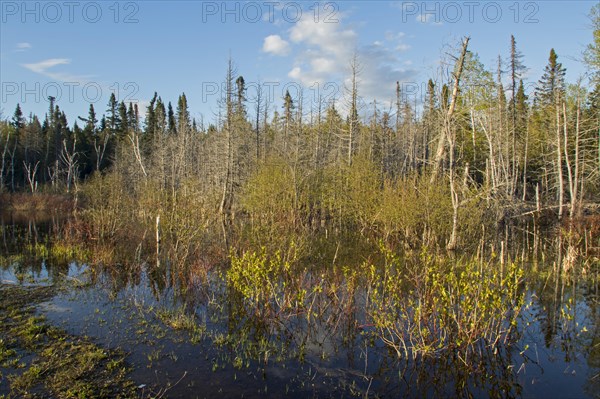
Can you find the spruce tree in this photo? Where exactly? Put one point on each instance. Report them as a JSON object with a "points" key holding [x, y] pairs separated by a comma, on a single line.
{"points": [[90, 121], [161, 118], [516, 69], [113, 120], [551, 87], [132, 119], [150, 123], [521, 109], [172, 124], [18, 121], [123, 121], [183, 115], [151, 117]]}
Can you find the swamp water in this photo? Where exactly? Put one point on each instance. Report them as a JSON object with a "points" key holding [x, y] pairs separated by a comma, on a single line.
{"points": [[264, 328]]}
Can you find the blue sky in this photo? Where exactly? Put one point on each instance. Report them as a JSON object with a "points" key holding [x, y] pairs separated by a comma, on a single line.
{"points": [[81, 51]]}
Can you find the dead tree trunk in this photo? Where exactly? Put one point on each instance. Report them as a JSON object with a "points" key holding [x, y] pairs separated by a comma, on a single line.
{"points": [[444, 136], [449, 135]]}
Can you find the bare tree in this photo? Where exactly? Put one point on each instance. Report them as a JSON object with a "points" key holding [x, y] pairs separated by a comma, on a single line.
{"points": [[445, 135], [449, 135], [353, 109], [69, 158], [30, 175]]}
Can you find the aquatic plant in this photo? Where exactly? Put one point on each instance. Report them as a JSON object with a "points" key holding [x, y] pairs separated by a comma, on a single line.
{"points": [[428, 307]]}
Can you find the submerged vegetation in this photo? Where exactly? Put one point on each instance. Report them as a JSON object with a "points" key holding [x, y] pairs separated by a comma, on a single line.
{"points": [[39, 360]]}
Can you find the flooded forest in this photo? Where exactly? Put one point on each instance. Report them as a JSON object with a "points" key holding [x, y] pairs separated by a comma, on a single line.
{"points": [[325, 247]]}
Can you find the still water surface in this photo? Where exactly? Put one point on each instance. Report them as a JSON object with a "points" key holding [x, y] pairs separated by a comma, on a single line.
{"points": [[197, 342]]}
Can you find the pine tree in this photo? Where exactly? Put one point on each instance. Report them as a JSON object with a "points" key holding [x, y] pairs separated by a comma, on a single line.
{"points": [[172, 124], [516, 71], [150, 122], [90, 121], [551, 87], [113, 120], [521, 108], [88, 138], [161, 118], [132, 119], [549, 95], [18, 121], [103, 124], [183, 115], [123, 121]]}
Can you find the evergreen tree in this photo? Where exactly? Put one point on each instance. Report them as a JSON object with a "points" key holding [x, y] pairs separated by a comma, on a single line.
{"points": [[90, 121], [113, 119], [516, 69], [51, 111], [88, 139], [18, 121], [150, 126], [521, 109], [32, 140], [551, 87], [161, 118], [172, 124], [151, 118], [103, 124], [288, 105], [183, 115], [132, 118], [123, 121]]}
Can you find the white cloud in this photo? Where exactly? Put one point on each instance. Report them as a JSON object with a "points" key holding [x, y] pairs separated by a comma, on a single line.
{"points": [[392, 36], [429, 18], [328, 37], [397, 39], [324, 51], [295, 73], [380, 69], [323, 54], [322, 65], [23, 46], [43, 67], [274, 44]]}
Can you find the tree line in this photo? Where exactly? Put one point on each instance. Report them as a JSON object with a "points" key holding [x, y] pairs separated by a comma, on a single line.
{"points": [[339, 160]]}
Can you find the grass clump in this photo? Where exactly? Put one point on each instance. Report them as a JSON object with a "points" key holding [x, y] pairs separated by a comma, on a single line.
{"points": [[37, 359]]}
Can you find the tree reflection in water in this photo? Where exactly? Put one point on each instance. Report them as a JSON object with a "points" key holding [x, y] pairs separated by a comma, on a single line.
{"points": [[409, 324]]}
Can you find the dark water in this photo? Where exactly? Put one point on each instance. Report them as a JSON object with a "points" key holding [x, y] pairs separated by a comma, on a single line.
{"points": [[196, 340]]}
